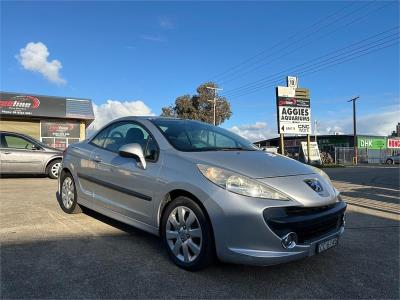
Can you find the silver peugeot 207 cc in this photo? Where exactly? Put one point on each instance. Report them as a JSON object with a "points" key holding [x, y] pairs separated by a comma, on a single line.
{"points": [[204, 190]]}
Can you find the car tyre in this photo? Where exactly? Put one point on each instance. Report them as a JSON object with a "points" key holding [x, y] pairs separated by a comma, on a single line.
{"points": [[187, 234], [68, 198], [53, 168], [389, 161]]}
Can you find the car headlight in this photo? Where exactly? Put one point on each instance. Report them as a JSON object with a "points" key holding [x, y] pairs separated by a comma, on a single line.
{"points": [[240, 184]]}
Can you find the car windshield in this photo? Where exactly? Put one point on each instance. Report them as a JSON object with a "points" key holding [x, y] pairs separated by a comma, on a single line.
{"points": [[192, 136]]}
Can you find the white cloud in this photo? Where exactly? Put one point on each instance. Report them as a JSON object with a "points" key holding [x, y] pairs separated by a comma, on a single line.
{"points": [[254, 132], [372, 124], [34, 58], [114, 109]]}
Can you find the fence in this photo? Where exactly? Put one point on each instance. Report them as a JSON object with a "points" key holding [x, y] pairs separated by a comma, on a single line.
{"points": [[344, 155]]}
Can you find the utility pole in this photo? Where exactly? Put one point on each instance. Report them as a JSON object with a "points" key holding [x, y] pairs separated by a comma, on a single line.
{"points": [[214, 100], [354, 128], [315, 130]]}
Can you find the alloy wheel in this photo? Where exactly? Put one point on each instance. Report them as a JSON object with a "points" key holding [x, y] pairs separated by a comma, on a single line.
{"points": [[55, 168], [183, 234], [68, 192]]}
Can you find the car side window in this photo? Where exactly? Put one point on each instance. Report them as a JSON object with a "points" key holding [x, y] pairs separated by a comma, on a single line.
{"points": [[16, 142], [99, 139], [122, 133]]}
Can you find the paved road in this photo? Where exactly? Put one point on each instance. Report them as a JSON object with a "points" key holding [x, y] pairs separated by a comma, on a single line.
{"points": [[48, 254]]}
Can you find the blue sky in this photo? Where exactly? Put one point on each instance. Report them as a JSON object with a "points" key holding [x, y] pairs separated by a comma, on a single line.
{"points": [[156, 51]]}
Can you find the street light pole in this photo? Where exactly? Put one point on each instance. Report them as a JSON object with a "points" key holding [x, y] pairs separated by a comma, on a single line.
{"points": [[214, 100], [354, 128]]}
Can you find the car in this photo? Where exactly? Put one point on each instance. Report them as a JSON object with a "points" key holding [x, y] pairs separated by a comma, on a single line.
{"points": [[207, 192], [393, 159], [22, 154]]}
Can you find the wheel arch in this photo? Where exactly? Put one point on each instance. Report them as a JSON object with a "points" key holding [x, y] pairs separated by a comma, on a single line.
{"points": [[50, 161], [171, 196]]}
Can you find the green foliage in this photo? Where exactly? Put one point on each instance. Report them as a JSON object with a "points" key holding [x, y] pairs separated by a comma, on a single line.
{"points": [[200, 106]]}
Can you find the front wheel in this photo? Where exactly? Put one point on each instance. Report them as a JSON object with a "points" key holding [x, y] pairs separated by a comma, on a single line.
{"points": [[187, 235], [389, 161]]}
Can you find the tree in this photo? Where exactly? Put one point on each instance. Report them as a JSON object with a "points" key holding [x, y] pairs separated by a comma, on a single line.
{"points": [[200, 106]]}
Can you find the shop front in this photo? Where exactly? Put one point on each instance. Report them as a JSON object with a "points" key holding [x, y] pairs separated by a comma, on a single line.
{"points": [[55, 121]]}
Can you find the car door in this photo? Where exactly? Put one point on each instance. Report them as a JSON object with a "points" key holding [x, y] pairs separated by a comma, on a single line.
{"points": [[122, 184], [20, 155]]}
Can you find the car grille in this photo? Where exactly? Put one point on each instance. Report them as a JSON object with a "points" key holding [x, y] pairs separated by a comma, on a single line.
{"points": [[308, 223]]}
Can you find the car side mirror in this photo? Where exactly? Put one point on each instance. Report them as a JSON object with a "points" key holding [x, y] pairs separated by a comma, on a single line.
{"points": [[134, 151], [34, 147]]}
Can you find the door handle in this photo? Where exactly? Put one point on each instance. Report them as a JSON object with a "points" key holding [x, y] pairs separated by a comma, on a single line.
{"points": [[7, 152], [97, 158]]}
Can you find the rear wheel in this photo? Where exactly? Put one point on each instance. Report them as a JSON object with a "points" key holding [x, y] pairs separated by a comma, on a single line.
{"points": [[53, 168], [389, 161], [187, 235], [68, 198]]}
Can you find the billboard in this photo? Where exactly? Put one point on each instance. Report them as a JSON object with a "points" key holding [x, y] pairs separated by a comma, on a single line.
{"points": [[293, 110], [59, 129], [13, 104]]}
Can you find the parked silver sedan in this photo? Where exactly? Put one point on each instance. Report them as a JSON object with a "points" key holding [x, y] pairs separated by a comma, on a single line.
{"points": [[22, 154], [204, 190]]}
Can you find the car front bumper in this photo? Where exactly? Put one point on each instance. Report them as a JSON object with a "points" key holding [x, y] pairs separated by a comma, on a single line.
{"points": [[251, 232]]}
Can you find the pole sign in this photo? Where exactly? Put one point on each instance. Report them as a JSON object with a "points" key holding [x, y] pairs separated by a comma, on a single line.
{"points": [[293, 110], [292, 81]]}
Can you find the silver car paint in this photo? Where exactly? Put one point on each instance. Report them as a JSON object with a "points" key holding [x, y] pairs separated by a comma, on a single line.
{"points": [[240, 231], [26, 161]]}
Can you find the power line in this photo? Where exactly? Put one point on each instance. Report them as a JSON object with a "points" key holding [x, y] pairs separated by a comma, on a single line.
{"points": [[239, 74], [322, 19], [317, 60], [309, 72]]}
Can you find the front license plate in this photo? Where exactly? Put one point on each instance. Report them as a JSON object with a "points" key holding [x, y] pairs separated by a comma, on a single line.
{"points": [[321, 247]]}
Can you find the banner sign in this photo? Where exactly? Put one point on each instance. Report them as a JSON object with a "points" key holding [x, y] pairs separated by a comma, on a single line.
{"points": [[315, 156], [294, 112], [60, 129], [26, 105], [393, 143], [371, 143]]}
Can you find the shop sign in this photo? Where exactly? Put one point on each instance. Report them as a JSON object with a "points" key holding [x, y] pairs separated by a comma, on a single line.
{"points": [[28, 105], [393, 143], [59, 129], [371, 143]]}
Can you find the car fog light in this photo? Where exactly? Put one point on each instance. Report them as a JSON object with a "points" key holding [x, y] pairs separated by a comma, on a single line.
{"points": [[289, 240]]}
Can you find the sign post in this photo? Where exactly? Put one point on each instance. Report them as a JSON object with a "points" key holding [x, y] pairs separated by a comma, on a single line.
{"points": [[293, 111]]}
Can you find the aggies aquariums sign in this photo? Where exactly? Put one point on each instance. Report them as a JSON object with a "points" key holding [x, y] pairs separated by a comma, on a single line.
{"points": [[31, 105], [293, 110]]}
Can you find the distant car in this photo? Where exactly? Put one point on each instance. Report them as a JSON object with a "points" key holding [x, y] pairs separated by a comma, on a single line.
{"points": [[22, 154], [394, 159]]}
